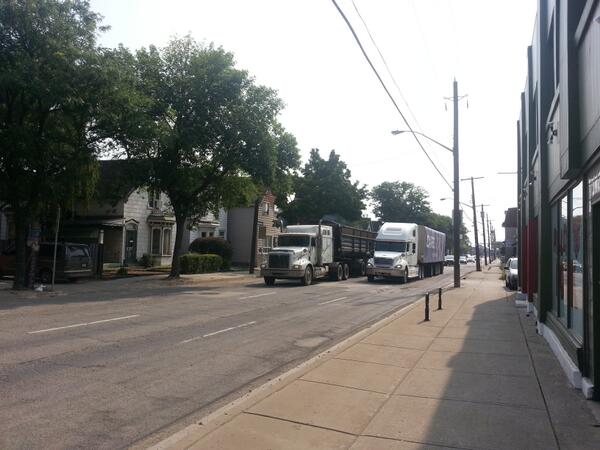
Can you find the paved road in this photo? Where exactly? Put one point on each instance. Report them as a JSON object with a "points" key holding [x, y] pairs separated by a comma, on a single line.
{"points": [[105, 365]]}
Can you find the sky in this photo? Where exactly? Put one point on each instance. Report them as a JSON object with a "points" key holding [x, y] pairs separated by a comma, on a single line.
{"points": [[305, 51]]}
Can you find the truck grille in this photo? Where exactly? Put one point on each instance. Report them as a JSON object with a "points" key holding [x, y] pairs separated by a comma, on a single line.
{"points": [[384, 262], [279, 261]]}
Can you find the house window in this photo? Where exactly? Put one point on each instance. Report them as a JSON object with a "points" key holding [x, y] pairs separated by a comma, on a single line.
{"points": [[211, 234], [166, 241], [266, 208], [153, 198], [222, 233], [156, 234]]}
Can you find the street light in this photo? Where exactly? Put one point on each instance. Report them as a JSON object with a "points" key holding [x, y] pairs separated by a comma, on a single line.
{"points": [[397, 132]]}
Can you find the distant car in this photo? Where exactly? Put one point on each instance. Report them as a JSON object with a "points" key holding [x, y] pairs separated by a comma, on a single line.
{"points": [[470, 258], [448, 260], [72, 261], [463, 259], [512, 273]]}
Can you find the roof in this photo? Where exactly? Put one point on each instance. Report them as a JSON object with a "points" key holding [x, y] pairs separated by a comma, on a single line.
{"points": [[119, 177], [510, 218]]}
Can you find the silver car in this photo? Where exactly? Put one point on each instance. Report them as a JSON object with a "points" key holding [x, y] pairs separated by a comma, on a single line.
{"points": [[512, 273]]}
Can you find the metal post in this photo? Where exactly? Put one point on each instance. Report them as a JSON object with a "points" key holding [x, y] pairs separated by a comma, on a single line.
{"points": [[55, 246], [456, 214], [489, 228], [254, 236], [427, 307], [485, 254], [477, 256], [439, 298]]}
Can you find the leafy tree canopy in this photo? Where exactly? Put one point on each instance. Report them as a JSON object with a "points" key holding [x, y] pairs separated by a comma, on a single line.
{"points": [[210, 132], [325, 189], [52, 79], [395, 201]]}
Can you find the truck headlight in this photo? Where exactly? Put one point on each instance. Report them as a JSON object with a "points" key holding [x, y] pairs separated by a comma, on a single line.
{"points": [[263, 266], [297, 266], [369, 264], [398, 266]]}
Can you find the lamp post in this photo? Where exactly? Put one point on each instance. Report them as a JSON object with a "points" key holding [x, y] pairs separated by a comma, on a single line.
{"points": [[477, 261]]}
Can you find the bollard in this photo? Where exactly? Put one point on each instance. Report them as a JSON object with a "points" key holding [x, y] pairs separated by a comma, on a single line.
{"points": [[427, 307], [439, 298]]}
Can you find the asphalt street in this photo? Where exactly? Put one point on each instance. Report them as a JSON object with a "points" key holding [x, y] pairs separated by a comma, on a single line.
{"points": [[108, 364]]}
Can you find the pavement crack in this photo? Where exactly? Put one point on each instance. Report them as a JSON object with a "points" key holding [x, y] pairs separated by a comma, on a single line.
{"points": [[301, 423]]}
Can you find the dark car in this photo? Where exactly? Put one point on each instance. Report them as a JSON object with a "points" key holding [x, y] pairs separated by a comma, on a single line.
{"points": [[72, 261]]}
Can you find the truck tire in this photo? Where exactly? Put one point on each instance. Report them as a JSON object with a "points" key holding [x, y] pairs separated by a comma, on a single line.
{"points": [[363, 269], [346, 272], [46, 276], [269, 281], [405, 278], [337, 273], [370, 278], [307, 279]]}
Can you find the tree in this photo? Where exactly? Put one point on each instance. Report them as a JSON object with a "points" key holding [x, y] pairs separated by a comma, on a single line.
{"points": [[208, 131], [325, 189], [444, 224], [51, 84], [395, 201]]}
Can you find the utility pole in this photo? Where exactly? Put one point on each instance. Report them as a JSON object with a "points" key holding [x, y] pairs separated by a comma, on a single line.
{"points": [[477, 256], [489, 236], [485, 254], [456, 213]]}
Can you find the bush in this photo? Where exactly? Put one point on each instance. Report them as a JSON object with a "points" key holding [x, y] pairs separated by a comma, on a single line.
{"points": [[122, 272], [213, 246], [146, 260], [200, 263]]}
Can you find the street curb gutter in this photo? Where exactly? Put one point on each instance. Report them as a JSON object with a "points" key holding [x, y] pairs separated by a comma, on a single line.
{"points": [[193, 433]]}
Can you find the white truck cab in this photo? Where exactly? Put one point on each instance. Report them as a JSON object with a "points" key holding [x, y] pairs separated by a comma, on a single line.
{"points": [[395, 252]]}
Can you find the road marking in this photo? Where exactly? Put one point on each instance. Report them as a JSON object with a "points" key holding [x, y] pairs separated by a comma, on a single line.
{"points": [[335, 300], [258, 295], [218, 332], [84, 324]]}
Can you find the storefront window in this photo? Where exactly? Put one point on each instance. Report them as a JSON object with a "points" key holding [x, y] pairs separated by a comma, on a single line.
{"points": [[576, 259], [555, 258], [563, 279]]}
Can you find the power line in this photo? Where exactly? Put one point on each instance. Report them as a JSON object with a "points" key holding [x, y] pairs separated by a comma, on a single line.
{"points": [[388, 92], [386, 64]]}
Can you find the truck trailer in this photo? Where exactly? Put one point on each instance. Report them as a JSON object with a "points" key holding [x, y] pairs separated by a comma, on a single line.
{"points": [[308, 252], [407, 250]]}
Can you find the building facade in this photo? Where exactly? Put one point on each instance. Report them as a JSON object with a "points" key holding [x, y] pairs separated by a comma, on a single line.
{"points": [[559, 185], [510, 225]]}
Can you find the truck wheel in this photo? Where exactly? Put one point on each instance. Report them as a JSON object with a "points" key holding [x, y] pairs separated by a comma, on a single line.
{"points": [[307, 279], [269, 281], [338, 273], [46, 276], [363, 269], [405, 279], [346, 273], [370, 278]]}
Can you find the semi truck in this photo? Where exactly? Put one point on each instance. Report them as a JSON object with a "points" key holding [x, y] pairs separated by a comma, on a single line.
{"points": [[407, 250], [309, 252]]}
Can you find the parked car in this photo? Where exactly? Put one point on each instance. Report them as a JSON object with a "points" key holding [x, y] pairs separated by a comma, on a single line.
{"points": [[72, 261], [470, 258], [512, 273], [448, 260], [463, 259]]}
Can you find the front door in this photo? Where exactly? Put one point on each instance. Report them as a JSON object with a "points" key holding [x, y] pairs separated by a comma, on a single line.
{"points": [[131, 246]]}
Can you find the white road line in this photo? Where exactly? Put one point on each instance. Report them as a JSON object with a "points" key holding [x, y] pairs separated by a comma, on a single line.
{"points": [[335, 300], [258, 295], [218, 332], [84, 324]]}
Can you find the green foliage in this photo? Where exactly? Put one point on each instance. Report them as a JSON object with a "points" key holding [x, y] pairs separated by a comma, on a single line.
{"points": [[325, 188], [122, 272], [52, 85], [210, 132], [395, 201], [213, 245], [146, 260], [200, 263]]}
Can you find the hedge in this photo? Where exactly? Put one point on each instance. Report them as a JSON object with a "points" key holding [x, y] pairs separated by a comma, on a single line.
{"points": [[213, 246], [200, 263]]}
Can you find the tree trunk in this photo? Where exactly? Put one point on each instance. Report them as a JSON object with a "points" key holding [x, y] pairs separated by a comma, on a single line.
{"points": [[20, 251], [180, 228]]}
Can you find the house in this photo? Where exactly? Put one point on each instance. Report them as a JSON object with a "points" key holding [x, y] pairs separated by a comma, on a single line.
{"points": [[241, 226], [558, 156], [134, 221], [510, 225]]}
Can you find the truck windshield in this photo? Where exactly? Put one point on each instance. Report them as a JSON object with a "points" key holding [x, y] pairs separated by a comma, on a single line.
{"points": [[382, 246], [286, 240], [514, 264]]}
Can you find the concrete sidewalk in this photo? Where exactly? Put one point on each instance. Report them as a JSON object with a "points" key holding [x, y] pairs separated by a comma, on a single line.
{"points": [[476, 376]]}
